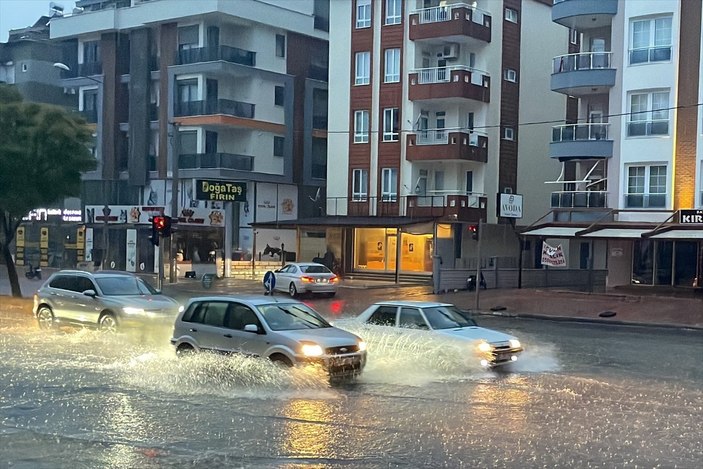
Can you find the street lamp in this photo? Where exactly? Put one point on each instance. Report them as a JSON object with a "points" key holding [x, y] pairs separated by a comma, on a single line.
{"points": [[106, 186]]}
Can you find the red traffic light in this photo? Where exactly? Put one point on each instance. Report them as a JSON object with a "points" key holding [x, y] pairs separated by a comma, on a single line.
{"points": [[473, 229], [161, 224]]}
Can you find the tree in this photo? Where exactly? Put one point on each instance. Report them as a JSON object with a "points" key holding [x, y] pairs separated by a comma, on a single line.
{"points": [[43, 151]]}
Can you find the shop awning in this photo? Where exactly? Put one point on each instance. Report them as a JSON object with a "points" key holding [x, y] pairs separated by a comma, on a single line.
{"points": [[680, 234], [554, 231], [620, 233]]}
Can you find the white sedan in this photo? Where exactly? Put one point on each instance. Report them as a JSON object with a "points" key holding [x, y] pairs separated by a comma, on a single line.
{"points": [[493, 348], [305, 277]]}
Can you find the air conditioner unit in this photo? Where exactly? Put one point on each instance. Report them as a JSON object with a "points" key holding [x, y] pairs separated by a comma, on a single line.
{"points": [[450, 52]]}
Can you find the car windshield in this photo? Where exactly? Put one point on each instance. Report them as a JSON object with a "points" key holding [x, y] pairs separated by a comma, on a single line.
{"points": [[291, 316], [314, 269], [447, 317], [123, 285]]}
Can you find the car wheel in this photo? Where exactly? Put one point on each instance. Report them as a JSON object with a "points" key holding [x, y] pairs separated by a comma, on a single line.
{"points": [[281, 361], [107, 323], [45, 318], [184, 350], [292, 290]]}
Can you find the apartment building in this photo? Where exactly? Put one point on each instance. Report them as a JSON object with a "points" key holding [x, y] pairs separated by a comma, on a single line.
{"points": [[427, 148], [212, 112], [629, 197]]}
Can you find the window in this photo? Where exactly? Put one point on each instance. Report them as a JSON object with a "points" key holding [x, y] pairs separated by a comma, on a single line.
{"points": [[383, 316], [389, 185], [392, 66], [393, 11], [279, 95], [646, 186], [363, 13], [361, 126], [280, 45], [650, 40], [187, 91], [360, 185], [510, 75], [363, 68], [91, 52], [511, 15], [508, 133], [439, 180], [573, 36], [278, 145], [649, 114], [411, 318], [390, 125]]}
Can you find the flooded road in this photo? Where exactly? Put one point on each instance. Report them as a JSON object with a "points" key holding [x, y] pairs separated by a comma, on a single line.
{"points": [[580, 396]]}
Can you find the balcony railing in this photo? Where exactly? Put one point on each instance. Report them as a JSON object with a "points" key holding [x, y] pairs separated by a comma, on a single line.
{"points": [[444, 13], [584, 199], [443, 74], [644, 128], [219, 106], [581, 61], [441, 137], [452, 205], [216, 161], [580, 132], [210, 54]]}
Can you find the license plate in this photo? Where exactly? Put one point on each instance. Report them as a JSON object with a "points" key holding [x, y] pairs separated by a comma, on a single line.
{"points": [[502, 357]]}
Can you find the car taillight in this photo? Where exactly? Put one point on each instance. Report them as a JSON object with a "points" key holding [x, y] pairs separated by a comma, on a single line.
{"points": [[307, 279], [334, 279]]}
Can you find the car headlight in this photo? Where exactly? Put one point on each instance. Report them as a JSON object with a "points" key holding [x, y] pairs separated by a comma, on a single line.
{"points": [[311, 350], [362, 346], [514, 343], [131, 310], [485, 347]]}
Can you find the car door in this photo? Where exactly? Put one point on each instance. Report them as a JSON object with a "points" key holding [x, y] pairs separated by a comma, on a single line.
{"points": [[86, 308], [283, 278], [412, 318], [73, 301], [56, 294], [207, 326], [240, 315]]}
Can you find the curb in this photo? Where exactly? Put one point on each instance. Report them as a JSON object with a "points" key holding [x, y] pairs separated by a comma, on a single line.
{"points": [[616, 322]]}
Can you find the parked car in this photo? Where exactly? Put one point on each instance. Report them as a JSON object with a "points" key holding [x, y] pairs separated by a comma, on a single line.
{"points": [[493, 348], [107, 300], [306, 277], [287, 332]]}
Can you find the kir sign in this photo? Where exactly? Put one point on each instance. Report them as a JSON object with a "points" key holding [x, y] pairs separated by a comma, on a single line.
{"points": [[553, 256]]}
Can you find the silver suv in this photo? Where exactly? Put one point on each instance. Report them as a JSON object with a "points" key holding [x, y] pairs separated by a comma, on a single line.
{"points": [[287, 332], [107, 300]]}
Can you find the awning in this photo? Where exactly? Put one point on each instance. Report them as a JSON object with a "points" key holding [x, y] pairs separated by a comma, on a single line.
{"points": [[554, 231], [628, 233], [680, 234]]}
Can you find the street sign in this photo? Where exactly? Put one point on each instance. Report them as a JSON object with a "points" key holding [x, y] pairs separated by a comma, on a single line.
{"points": [[269, 281], [207, 280]]}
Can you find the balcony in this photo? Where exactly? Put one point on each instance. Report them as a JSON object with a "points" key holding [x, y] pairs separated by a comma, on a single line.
{"points": [[458, 81], [216, 161], [440, 144], [450, 205], [211, 54], [450, 21], [584, 14], [574, 141], [582, 74], [219, 106], [580, 199]]}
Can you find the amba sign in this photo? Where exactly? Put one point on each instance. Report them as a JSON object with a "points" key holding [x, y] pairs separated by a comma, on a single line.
{"points": [[220, 191]]}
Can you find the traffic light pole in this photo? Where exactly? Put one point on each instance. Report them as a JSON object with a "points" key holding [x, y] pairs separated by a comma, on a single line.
{"points": [[176, 142], [161, 266], [478, 264]]}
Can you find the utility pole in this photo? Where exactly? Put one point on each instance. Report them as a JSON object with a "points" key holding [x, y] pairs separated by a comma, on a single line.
{"points": [[478, 263], [176, 145]]}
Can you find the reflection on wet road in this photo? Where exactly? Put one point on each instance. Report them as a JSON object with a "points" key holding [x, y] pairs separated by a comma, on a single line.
{"points": [[580, 396]]}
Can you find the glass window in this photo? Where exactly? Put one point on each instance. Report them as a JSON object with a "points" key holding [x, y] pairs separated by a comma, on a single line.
{"points": [[239, 316], [646, 186], [279, 95], [389, 185], [390, 125], [187, 90], [412, 318], [511, 15], [360, 181], [447, 317], [509, 133], [392, 66], [649, 114], [363, 13], [280, 45], [291, 316], [91, 52], [510, 75], [278, 145], [363, 68], [214, 314], [650, 40], [393, 11], [361, 126], [188, 37], [383, 316]]}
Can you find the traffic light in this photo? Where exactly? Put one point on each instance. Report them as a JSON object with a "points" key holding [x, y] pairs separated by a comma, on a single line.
{"points": [[162, 225], [474, 231], [154, 238]]}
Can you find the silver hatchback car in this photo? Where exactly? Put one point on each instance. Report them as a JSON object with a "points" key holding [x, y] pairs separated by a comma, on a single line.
{"points": [[107, 300], [285, 331]]}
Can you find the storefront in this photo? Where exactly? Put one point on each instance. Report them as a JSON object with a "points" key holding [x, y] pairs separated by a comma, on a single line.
{"points": [[50, 238]]}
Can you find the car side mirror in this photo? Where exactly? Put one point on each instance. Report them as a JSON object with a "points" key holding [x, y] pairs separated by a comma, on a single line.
{"points": [[251, 328], [91, 293], [277, 271]]}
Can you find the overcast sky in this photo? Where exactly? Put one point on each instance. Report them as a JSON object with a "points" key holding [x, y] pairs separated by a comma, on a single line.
{"points": [[16, 14]]}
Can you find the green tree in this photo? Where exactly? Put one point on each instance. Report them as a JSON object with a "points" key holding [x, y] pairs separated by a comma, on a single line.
{"points": [[43, 151]]}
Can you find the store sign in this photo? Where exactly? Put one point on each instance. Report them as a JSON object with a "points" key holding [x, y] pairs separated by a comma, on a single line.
{"points": [[201, 217], [510, 205], [135, 214], [220, 191], [691, 217], [50, 214]]}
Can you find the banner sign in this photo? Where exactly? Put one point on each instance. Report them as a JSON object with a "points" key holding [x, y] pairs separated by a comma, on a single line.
{"points": [[220, 191], [553, 256], [510, 205]]}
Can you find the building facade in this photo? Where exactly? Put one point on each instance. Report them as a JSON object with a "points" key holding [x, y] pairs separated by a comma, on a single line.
{"points": [[191, 95], [630, 193]]}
